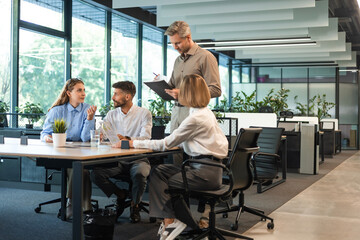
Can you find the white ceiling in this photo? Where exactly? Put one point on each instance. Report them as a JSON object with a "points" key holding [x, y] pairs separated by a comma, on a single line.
{"points": [[259, 19]]}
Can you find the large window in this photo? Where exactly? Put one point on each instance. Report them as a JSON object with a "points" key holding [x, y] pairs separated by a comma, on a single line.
{"points": [[152, 61], [48, 13], [5, 33], [172, 54], [41, 68], [124, 50], [88, 50], [224, 76]]}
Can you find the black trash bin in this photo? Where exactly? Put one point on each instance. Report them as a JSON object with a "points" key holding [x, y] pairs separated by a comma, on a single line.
{"points": [[99, 224]]}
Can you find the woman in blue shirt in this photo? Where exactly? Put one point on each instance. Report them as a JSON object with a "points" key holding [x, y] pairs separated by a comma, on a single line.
{"points": [[79, 117]]}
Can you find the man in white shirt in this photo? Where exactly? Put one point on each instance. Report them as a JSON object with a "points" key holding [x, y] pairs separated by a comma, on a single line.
{"points": [[133, 123]]}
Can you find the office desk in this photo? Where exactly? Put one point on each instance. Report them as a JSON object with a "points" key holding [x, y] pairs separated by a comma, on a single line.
{"points": [[78, 158]]}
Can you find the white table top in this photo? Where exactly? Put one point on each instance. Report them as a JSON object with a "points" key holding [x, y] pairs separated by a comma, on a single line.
{"points": [[36, 148]]}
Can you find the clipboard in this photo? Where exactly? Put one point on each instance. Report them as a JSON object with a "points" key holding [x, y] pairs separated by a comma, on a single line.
{"points": [[159, 87]]}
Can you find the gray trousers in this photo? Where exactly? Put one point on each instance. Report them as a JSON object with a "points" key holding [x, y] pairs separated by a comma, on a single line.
{"points": [[86, 188], [167, 176], [138, 170]]}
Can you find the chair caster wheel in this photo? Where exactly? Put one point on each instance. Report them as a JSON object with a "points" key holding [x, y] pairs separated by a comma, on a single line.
{"points": [[270, 225], [234, 226], [37, 210], [152, 219], [225, 215]]}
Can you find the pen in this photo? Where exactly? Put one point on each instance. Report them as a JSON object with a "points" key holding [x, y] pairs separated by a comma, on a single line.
{"points": [[155, 74]]}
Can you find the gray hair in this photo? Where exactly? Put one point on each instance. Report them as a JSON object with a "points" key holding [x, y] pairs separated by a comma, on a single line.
{"points": [[178, 27]]}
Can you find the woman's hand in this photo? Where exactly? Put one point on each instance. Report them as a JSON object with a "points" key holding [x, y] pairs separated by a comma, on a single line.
{"points": [[48, 139], [118, 144], [91, 112], [173, 92]]}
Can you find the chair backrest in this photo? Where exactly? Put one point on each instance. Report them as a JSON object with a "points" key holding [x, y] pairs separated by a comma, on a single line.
{"points": [[239, 160], [269, 139]]}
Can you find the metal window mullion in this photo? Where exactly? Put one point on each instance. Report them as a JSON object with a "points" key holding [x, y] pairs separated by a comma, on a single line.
{"points": [[14, 61], [107, 84], [140, 49]]}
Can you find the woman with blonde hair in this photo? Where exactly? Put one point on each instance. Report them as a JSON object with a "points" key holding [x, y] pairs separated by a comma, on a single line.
{"points": [[201, 138], [79, 117]]}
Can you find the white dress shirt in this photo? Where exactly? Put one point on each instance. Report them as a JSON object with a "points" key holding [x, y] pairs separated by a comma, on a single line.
{"points": [[198, 134], [136, 124]]}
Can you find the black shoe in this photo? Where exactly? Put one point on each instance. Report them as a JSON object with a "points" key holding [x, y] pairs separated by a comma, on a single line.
{"points": [[135, 214], [119, 206]]}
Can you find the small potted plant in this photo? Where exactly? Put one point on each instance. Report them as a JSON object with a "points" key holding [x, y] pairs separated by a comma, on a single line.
{"points": [[105, 109], [59, 132], [30, 111], [3, 109], [161, 116]]}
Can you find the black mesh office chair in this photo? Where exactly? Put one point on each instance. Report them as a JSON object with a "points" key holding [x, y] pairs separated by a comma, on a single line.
{"points": [[246, 178], [266, 109], [143, 205], [239, 172], [266, 161]]}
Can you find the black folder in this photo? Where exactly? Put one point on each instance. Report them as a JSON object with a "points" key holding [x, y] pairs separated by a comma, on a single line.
{"points": [[159, 87]]}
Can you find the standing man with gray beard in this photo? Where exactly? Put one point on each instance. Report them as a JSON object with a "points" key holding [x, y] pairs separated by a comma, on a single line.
{"points": [[192, 60]]}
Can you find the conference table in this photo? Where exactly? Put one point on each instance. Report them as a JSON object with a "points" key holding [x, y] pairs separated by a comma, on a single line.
{"points": [[78, 156]]}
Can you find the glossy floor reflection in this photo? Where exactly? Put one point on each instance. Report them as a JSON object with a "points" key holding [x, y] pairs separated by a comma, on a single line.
{"points": [[329, 209]]}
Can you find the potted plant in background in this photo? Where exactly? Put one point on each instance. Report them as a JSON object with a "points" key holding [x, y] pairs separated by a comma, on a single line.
{"points": [[106, 108], [161, 116], [59, 132], [30, 111], [3, 109], [323, 107]]}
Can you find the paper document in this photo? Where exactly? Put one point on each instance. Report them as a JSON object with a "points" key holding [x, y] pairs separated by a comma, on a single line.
{"points": [[159, 87], [109, 132]]}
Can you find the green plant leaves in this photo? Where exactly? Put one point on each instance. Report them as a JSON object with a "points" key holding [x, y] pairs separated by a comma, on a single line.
{"points": [[59, 126]]}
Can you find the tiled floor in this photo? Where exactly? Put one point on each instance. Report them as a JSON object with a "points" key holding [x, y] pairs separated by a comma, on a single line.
{"points": [[327, 210]]}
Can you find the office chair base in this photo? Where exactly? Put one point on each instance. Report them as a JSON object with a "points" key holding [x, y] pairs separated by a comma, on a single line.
{"points": [[38, 209]]}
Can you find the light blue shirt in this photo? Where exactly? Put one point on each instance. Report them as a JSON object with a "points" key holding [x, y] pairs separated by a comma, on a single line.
{"points": [[78, 127]]}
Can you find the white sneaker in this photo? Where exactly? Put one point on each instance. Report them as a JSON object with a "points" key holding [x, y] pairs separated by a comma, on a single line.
{"points": [[161, 229], [173, 230]]}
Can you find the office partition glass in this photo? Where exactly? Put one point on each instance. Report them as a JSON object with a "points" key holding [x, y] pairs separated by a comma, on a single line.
{"points": [[124, 54], [268, 74], [322, 83], [47, 13], [247, 88], [152, 60], [245, 74], [235, 74], [322, 74], [5, 43], [295, 80], [88, 50], [41, 68], [348, 108]]}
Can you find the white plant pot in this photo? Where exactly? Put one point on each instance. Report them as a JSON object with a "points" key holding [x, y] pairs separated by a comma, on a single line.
{"points": [[59, 139]]}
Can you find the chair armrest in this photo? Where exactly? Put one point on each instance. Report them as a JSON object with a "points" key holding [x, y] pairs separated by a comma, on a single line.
{"points": [[266, 154], [200, 161], [253, 149]]}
